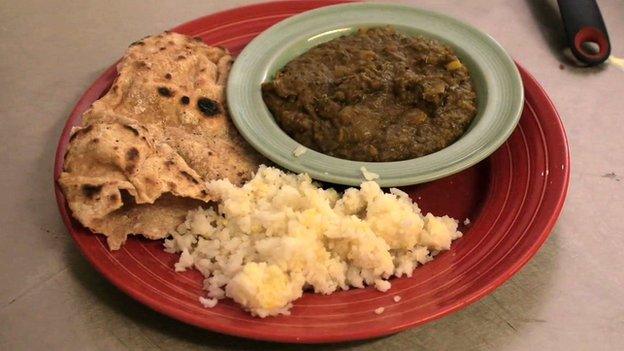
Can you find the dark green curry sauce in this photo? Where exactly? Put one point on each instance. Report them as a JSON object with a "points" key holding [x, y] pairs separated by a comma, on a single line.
{"points": [[375, 95]]}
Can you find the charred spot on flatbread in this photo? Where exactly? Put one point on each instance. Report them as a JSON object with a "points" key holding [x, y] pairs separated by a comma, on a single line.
{"points": [[164, 91], [132, 154], [90, 190], [208, 106]]}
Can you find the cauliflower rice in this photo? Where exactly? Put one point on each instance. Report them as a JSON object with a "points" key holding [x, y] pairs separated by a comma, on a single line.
{"points": [[280, 234]]}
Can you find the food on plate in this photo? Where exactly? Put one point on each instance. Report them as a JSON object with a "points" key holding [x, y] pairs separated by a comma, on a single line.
{"points": [[110, 164], [368, 175], [375, 95], [176, 83], [139, 161], [157, 155], [299, 150], [279, 234]]}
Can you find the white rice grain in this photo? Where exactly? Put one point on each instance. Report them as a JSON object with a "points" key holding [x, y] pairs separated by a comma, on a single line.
{"points": [[368, 175], [382, 285], [299, 150], [208, 303]]}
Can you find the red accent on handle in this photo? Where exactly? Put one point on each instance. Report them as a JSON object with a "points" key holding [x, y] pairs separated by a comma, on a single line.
{"points": [[593, 35]]}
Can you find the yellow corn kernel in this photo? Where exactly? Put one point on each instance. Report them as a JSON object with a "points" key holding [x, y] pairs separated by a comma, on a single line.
{"points": [[453, 65]]}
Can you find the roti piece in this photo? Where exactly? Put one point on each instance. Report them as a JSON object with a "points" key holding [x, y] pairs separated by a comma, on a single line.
{"points": [[108, 158], [139, 163], [150, 220], [176, 84]]}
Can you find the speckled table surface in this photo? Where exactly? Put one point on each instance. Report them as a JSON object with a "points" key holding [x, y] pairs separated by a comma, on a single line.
{"points": [[569, 297]]}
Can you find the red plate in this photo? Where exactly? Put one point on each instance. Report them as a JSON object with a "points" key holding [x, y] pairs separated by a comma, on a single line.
{"points": [[513, 200]]}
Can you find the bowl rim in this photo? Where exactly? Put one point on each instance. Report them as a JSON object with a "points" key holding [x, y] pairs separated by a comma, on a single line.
{"points": [[323, 170]]}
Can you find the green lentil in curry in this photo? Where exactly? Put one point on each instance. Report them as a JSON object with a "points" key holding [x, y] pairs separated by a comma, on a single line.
{"points": [[375, 95]]}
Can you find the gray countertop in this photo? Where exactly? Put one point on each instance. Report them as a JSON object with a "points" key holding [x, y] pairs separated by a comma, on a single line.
{"points": [[569, 297]]}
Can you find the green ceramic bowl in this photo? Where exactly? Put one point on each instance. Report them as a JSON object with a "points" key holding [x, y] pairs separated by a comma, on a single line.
{"points": [[494, 74]]}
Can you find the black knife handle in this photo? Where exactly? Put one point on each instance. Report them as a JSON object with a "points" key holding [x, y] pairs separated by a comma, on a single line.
{"points": [[583, 23]]}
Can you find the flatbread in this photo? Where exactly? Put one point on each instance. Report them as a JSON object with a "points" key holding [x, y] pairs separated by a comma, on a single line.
{"points": [[176, 83], [108, 158], [150, 220], [139, 162]]}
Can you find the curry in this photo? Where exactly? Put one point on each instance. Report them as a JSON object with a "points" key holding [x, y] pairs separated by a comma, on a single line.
{"points": [[375, 95]]}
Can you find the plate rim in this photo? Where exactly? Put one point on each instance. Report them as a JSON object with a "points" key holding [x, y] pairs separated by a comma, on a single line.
{"points": [[555, 207]]}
